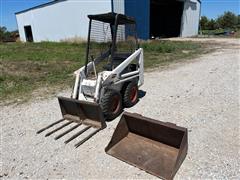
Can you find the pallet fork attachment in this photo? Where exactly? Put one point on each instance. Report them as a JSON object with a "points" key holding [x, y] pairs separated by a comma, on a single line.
{"points": [[78, 113]]}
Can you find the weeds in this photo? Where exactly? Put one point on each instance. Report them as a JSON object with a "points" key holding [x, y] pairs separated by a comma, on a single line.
{"points": [[25, 67], [161, 53]]}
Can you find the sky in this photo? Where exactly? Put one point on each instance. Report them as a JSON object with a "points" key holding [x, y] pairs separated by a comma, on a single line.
{"points": [[210, 8]]}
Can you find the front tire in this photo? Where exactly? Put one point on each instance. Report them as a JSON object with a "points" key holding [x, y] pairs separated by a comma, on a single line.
{"points": [[130, 96], [111, 104]]}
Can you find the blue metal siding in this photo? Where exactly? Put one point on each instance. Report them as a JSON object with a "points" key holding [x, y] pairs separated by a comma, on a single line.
{"points": [[141, 11]]}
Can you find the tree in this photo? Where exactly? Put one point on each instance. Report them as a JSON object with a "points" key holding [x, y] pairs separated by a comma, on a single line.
{"points": [[238, 23], [2, 32], [207, 24], [3, 29], [203, 22], [212, 25], [228, 20], [6, 35]]}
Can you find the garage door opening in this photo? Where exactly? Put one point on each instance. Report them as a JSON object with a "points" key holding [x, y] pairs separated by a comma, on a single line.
{"points": [[165, 18], [28, 33]]}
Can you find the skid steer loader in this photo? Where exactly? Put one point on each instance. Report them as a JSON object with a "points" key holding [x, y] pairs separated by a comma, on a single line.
{"points": [[110, 78]]}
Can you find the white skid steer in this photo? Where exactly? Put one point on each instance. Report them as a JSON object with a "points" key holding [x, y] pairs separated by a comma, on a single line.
{"points": [[110, 78]]}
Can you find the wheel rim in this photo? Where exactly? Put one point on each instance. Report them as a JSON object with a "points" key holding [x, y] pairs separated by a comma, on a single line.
{"points": [[115, 105], [133, 94]]}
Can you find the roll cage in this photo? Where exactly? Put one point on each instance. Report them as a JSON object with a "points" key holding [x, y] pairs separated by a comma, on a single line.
{"points": [[114, 20]]}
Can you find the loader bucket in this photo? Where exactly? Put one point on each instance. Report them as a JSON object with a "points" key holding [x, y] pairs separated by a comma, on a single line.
{"points": [[156, 147], [79, 113]]}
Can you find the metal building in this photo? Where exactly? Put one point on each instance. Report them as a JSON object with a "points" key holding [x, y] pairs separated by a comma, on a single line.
{"points": [[162, 18], [63, 19]]}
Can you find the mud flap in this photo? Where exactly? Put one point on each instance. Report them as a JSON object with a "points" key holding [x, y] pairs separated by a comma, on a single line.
{"points": [[156, 147], [79, 113]]}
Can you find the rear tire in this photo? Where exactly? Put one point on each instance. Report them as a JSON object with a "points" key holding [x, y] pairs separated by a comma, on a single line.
{"points": [[130, 96], [111, 104]]}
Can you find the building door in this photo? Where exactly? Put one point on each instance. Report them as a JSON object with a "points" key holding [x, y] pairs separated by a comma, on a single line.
{"points": [[28, 33], [166, 18]]}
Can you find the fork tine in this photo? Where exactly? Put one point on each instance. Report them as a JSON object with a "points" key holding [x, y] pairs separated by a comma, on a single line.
{"points": [[55, 130], [51, 125], [77, 134]]}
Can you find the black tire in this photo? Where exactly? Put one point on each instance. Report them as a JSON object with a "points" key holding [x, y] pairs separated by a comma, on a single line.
{"points": [[111, 104], [130, 94]]}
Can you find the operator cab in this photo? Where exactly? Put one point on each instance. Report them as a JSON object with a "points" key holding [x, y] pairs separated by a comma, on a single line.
{"points": [[112, 38]]}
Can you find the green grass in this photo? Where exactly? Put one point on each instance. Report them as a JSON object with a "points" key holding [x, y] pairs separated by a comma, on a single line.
{"points": [[212, 32], [219, 31], [162, 53], [25, 67]]}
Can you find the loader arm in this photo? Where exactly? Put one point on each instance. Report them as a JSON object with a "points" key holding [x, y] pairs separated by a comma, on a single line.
{"points": [[120, 77]]}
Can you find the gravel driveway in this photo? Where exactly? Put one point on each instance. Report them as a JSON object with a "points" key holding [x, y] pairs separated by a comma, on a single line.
{"points": [[202, 95]]}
